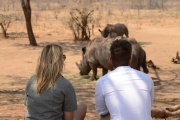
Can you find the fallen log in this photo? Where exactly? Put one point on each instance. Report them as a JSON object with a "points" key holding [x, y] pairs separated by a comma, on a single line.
{"points": [[165, 112], [176, 59], [150, 64], [161, 113]]}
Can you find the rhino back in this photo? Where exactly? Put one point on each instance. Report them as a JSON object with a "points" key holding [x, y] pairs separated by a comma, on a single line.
{"points": [[137, 53], [120, 29], [91, 48], [98, 52], [102, 53]]}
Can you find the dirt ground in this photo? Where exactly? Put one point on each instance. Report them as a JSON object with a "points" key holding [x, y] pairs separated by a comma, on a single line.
{"points": [[18, 62]]}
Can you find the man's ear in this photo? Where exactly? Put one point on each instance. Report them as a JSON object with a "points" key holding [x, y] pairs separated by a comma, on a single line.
{"points": [[110, 60]]}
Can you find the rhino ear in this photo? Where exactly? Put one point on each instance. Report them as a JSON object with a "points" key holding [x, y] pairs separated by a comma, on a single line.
{"points": [[84, 50]]}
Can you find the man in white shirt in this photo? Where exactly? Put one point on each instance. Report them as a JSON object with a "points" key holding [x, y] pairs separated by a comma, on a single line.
{"points": [[124, 93]]}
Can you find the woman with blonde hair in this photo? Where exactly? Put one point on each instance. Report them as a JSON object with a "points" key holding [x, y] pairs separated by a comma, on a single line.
{"points": [[48, 95]]}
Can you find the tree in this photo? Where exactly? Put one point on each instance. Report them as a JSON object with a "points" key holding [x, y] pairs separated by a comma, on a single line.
{"points": [[27, 13], [78, 23], [5, 21]]}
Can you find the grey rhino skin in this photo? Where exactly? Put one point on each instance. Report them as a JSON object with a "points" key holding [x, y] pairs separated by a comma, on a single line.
{"points": [[97, 53], [110, 29]]}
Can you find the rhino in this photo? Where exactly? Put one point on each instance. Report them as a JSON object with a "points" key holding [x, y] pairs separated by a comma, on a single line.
{"points": [[97, 53], [110, 29]]}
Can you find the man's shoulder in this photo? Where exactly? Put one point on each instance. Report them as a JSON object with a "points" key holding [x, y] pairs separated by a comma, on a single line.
{"points": [[143, 74], [104, 78]]}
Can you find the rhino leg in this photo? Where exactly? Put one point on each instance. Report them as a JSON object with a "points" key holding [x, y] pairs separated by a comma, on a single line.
{"points": [[104, 71], [144, 65], [145, 69], [92, 78], [127, 35], [135, 63], [126, 32], [94, 70]]}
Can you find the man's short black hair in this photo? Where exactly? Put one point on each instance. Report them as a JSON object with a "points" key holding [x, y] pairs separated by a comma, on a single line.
{"points": [[120, 52]]}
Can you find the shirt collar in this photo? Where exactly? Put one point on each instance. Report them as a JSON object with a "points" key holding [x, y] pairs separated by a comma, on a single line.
{"points": [[122, 67]]}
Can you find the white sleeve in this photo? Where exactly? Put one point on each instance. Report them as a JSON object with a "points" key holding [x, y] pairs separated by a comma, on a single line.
{"points": [[152, 93], [100, 100]]}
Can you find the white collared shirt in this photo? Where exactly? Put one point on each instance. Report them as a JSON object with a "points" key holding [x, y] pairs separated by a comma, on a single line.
{"points": [[126, 93]]}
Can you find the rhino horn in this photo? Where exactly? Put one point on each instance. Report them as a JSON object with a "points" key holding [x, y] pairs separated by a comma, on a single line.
{"points": [[78, 65]]}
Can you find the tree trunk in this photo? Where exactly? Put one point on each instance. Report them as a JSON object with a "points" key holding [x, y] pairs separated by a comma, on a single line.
{"points": [[92, 29], [4, 34], [75, 36], [84, 34], [27, 13]]}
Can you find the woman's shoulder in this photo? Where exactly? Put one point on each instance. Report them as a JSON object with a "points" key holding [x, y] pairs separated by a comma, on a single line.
{"points": [[62, 81], [31, 78], [30, 81]]}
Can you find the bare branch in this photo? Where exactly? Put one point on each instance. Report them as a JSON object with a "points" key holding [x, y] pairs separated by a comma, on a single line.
{"points": [[23, 4], [78, 22], [5, 21], [26, 5]]}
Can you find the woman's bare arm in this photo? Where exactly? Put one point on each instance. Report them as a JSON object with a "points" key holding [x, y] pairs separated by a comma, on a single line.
{"points": [[68, 115]]}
